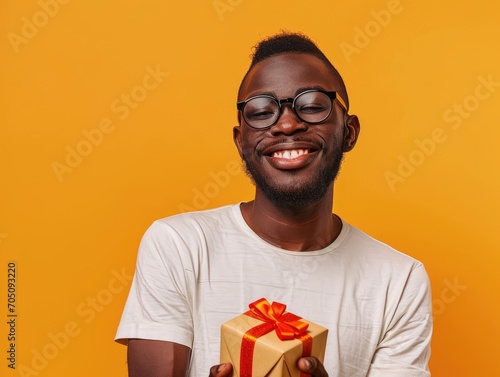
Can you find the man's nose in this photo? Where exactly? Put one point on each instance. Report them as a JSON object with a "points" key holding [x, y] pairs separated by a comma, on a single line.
{"points": [[288, 123]]}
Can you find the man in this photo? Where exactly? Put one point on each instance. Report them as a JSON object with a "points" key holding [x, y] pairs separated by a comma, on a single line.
{"points": [[198, 270]]}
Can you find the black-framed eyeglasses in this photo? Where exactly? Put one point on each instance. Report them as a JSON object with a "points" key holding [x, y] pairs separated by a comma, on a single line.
{"points": [[311, 106]]}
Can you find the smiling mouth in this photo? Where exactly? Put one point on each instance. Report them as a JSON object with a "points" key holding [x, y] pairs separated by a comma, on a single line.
{"points": [[290, 154]]}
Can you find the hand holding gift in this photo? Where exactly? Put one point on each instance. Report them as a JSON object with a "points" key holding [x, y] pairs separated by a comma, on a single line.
{"points": [[249, 343], [308, 365]]}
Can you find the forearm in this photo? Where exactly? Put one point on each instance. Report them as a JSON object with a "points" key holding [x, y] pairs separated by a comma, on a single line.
{"points": [[155, 358]]}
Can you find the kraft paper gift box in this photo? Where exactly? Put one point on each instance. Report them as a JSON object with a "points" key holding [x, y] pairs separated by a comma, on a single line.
{"points": [[266, 341]]}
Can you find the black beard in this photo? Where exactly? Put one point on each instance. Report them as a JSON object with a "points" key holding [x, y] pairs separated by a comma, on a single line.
{"points": [[306, 195]]}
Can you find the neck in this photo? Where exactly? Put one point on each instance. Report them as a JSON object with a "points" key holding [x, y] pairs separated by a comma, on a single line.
{"points": [[297, 229]]}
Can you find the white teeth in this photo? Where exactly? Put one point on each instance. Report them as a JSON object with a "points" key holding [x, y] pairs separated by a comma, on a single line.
{"points": [[290, 154]]}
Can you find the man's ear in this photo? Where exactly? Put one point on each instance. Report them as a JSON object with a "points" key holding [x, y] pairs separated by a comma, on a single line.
{"points": [[351, 133], [237, 138], [237, 134]]}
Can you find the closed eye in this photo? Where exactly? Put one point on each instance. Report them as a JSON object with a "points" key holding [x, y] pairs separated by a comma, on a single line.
{"points": [[262, 114], [312, 109]]}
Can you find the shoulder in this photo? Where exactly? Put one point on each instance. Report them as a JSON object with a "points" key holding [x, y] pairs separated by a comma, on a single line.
{"points": [[400, 280], [192, 221], [377, 255], [184, 238], [190, 230]]}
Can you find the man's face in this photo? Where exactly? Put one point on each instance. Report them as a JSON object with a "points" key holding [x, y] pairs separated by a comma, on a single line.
{"points": [[293, 163]]}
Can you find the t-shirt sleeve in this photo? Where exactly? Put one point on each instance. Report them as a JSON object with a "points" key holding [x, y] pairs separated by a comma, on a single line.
{"points": [[404, 349], [158, 305]]}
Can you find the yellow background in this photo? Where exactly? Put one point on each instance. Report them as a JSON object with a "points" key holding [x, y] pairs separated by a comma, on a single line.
{"points": [[419, 76]]}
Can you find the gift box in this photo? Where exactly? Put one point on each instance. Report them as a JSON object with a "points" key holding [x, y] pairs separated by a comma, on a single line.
{"points": [[267, 341]]}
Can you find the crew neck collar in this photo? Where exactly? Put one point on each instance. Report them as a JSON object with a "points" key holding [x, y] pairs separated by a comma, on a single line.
{"points": [[248, 231]]}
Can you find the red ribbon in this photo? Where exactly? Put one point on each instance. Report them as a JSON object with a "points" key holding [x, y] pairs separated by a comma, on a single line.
{"points": [[286, 325]]}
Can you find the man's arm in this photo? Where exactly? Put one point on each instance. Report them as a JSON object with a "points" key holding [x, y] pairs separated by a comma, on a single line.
{"points": [[156, 358], [156, 322], [404, 349]]}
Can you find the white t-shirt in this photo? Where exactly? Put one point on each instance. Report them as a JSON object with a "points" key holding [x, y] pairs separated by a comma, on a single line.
{"points": [[197, 270]]}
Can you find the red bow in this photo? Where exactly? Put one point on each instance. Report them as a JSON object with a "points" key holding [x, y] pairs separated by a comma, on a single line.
{"points": [[287, 326]]}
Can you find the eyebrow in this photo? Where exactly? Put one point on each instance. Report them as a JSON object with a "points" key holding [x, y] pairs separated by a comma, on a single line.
{"points": [[297, 92], [315, 87]]}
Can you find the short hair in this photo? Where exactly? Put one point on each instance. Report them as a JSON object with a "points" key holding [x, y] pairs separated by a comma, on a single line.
{"points": [[292, 43]]}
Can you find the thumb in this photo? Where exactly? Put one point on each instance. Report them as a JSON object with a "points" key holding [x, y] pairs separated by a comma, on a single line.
{"points": [[221, 370], [311, 365]]}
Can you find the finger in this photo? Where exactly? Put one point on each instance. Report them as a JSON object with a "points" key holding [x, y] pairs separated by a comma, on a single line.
{"points": [[311, 365], [221, 370]]}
